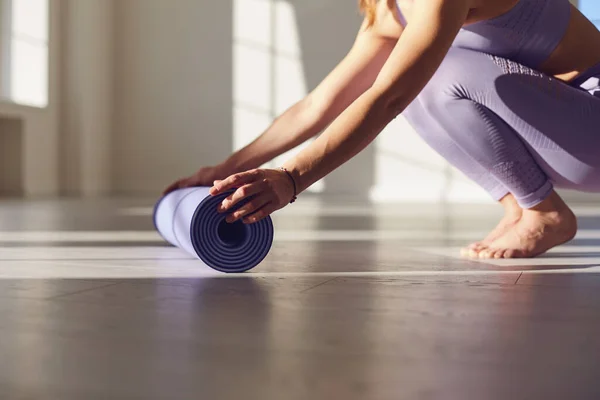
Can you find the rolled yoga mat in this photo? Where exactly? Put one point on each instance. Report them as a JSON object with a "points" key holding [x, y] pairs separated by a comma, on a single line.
{"points": [[188, 219]]}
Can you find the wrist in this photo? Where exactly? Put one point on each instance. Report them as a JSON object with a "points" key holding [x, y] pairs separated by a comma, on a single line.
{"points": [[292, 182], [298, 176]]}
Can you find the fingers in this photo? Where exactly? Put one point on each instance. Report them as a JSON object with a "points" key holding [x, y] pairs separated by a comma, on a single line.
{"points": [[248, 209], [236, 181], [251, 186], [239, 195], [261, 214]]}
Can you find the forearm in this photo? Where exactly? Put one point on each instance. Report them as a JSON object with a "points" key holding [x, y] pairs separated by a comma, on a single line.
{"points": [[347, 82], [347, 136], [416, 57], [296, 125]]}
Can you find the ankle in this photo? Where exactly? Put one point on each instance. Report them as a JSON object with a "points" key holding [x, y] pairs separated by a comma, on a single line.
{"points": [[553, 204], [557, 215], [513, 213], [564, 218], [512, 210]]}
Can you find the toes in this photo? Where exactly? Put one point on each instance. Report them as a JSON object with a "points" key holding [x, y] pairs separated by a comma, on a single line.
{"points": [[489, 254], [474, 253], [498, 254], [470, 251], [486, 254], [516, 253], [474, 249], [464, 252], [480, 248], [510, 253]]}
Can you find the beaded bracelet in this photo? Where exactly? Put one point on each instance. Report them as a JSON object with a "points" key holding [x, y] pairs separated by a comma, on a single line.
{"points": [[295, 197]]}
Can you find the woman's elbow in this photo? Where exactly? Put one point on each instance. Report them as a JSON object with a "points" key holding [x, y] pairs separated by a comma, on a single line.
{"points": [[390, 100]]}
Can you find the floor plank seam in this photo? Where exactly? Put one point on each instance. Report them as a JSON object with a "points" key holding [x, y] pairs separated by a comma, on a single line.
{"points": [[519, 277], [82, 291], [320, 284]]}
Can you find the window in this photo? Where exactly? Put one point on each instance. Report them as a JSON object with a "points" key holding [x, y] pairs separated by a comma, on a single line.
{"points": [[591, 9], [24, 55], [268, 74]]}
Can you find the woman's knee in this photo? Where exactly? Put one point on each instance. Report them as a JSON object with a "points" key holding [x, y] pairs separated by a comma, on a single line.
{"points": [[443, 87], [463, 74]]}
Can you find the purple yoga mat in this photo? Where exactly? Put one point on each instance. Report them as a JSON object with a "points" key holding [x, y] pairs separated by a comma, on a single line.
{"points": [[188, 219]]}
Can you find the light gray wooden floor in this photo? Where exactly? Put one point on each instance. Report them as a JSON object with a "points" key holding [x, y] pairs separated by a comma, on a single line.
{"points": [[354, 302]]}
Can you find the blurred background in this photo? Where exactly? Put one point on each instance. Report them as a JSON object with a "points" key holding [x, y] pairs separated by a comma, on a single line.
{"points": [[121, 97]]}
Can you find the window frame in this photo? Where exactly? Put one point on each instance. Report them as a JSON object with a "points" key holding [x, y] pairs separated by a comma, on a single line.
{"points": [[7, 39]]}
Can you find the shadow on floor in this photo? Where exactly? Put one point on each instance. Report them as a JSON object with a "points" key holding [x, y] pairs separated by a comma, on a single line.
{"points": [[579, 254]]}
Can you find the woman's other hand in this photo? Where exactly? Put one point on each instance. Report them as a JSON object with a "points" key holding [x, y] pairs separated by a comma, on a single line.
{"points": [[205, 176]]}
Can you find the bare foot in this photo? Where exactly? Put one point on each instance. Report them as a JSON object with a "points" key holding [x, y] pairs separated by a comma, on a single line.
{"points": [[547, 225], [512, 214]]}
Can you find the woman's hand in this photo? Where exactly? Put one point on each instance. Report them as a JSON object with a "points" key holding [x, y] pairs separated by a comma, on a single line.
{"points": [[269, 190], [205, 176]]}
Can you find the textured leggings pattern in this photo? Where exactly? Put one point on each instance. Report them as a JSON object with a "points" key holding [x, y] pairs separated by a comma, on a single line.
{"points": [[511, 67], [544, 83], [508, 158], [510, 128]]}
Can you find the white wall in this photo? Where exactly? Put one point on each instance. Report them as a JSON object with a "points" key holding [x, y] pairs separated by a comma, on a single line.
{"points": [[87, 97], [173, 93], [35, 146], [65, 148]]}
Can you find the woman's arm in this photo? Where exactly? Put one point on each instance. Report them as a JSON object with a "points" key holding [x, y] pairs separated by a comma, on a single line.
{"points": [[350, 79], [421, 49], [417, 55]]}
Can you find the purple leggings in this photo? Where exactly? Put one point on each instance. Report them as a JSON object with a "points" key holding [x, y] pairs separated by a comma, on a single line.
{"points": [[510, 128]]}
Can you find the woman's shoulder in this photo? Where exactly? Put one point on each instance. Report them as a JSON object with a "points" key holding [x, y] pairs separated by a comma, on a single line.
{"points": [[387, 21]]}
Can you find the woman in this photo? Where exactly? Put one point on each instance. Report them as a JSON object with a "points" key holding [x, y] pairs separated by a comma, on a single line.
{"points": [[503, 89]]}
